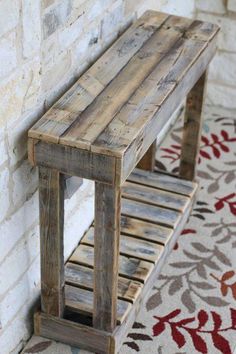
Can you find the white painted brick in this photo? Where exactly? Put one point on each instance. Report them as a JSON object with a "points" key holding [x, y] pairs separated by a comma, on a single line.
{"points": [[3, 152], [177, 7], [216, 6], [223, 68], [56, 17], [31, 27], [8, 56], [57, 73], [112, 19], [4, 194], [25, 181], [71, 33], [88, 42], [25, 289], [231, 5], [19, 223], [19, 260], [9, 10], [19, 92]]}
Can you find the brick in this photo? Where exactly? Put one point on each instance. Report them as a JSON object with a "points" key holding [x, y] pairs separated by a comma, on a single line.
{"points": [[9, 10], [19, 92], [88, 42], [16, 225], [4, 195], [177, 7], [71, 33], [8, 56], [57, 73], [19, 260], [3, 152], [25, 181], [56, 17], [25, 289], [31, 27], [112, 19], [223, 68], [231, 5], [47, 3], [215, 6]]}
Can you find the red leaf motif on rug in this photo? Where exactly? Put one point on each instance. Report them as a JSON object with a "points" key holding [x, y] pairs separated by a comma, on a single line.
{"points": [[198, 333]]}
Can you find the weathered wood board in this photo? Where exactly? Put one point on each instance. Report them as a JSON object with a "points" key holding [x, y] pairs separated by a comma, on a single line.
{"points": [[129, 267], [83, 277], [130, 246]]}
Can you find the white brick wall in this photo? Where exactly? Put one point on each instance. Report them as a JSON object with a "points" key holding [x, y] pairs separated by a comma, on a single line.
{"points": [[44, 46], [221, 89]]}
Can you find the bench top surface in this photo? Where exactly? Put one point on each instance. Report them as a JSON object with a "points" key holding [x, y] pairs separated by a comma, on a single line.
{"points": [[113, 103]]}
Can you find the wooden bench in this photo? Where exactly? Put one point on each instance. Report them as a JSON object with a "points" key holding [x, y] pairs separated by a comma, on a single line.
{"points": [[102, 128]]}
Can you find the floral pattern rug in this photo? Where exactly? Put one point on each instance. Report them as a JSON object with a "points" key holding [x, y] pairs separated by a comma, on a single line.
{"points": [[192, 306]]}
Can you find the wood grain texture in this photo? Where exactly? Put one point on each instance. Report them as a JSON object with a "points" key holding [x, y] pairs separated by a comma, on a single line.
{"points": [[147, 162], [106, 255], [129, 267], [163, 182], [83, 277], [76, 162], [51, 206], [129, 246], [81, 300], [65, 112], [153, 196], [192, 130], [145, 230], [73, 334]]}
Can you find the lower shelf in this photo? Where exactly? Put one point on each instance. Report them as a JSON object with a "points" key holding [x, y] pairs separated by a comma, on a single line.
{"points": [[155, 207]]}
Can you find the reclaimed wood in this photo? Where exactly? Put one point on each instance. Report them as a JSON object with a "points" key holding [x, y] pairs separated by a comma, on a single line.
{"points": [[154, 196], [82, 301], [51, 126], [129, 267], [145, 230], [192, 131], [147, 162], [151, 213], [129, 246], [51, 207], [106, 255], [76, 162], [73, 333], [83, 277], [122, 331], [163, 182]]}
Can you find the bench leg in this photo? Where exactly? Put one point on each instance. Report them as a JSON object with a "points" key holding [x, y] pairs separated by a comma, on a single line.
{"points": [[106, 262], [51, 206], [192, 130], [147, 162]]}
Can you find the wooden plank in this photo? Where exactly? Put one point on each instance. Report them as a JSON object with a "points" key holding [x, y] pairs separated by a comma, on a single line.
{"points": [[122, 331], [83, 277], [153, 196], [130, 246], [151, 213], [157, 121], [72, 333], [163, 182], [129, 267], [81, 300], [147, 162], [76, 162], [51, 206], [145, 230], [129, 122], [97, 116], [192, 130], [51, 126], [106, 255]]}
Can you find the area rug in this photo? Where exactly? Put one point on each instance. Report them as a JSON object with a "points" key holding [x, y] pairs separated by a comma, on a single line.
{"points": [[192, 306]]}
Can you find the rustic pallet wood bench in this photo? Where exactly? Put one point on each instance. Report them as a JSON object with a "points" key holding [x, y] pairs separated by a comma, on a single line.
{"points": [[105, 126]]}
